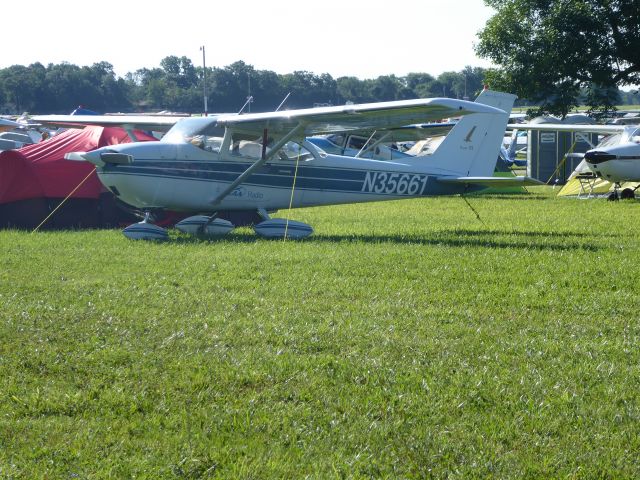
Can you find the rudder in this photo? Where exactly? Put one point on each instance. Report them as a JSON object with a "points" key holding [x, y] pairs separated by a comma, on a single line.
{"points": [[473, 145]]}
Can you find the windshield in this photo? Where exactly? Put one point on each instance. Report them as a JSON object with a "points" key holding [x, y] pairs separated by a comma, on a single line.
{"points": [[610, 140], [326, 145], [185, 130]]}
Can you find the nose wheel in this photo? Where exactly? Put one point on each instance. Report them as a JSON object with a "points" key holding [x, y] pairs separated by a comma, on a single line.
{"points": [[614, 196]]}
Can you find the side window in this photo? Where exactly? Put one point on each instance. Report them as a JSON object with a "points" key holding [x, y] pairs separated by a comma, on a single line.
{"points": [[337, 139], [293, 151], [356, 142], [210, 144], [246, 148]]}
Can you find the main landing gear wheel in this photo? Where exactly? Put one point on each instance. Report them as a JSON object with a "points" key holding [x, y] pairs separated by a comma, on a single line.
{"points": [[627, 194], [145, 231], [204, 225]]}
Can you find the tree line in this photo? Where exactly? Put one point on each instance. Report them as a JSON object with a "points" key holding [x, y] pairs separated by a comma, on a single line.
{"points": [[178, 85]]}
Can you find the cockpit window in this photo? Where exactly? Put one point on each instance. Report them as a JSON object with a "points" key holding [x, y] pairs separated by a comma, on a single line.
{"points": [[205, 142], [293, 151], [356, 142], [202, 132], [326, 145], [610, 140], [337, 139], [185, 130]]}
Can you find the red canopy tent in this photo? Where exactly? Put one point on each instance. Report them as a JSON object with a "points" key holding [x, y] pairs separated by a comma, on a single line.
{"points": [[36, 178]]}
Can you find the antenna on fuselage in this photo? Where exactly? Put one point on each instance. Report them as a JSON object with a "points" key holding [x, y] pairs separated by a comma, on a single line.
{"points": [[282, 102], [249, 100]]}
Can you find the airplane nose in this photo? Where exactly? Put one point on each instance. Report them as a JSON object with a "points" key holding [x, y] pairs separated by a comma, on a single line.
{"points": [[595, 157]]}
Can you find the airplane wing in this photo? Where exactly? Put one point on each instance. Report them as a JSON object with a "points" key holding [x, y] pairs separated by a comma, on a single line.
{"points": [[370, 116], [158, 123], [551, 127], [5, 122], [410, 114]]}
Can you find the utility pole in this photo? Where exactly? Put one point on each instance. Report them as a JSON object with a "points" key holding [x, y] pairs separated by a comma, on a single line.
{"points": [[204, 80]]}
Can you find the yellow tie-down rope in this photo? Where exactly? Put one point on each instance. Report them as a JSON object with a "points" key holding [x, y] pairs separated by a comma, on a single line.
{"points": [[62, 202], [293, 188]]}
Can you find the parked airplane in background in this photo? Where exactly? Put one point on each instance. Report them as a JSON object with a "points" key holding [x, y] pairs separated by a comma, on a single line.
{"points": [[379, 145], [6, 124], [224, 166], [616, 158]]}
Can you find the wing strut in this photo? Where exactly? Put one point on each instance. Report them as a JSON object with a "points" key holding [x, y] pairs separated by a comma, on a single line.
{"points": [[265, 156], [374, 144]]}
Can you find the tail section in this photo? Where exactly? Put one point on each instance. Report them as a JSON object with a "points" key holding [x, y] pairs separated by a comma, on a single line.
{"points": [[471, 148]]}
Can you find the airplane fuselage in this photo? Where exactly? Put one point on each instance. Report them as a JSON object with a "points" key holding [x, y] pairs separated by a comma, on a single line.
{"points": [[183, 177]]}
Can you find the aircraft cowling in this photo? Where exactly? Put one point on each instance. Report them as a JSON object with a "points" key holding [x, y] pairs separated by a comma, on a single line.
{"points": [[594, 157], [616, 164]]}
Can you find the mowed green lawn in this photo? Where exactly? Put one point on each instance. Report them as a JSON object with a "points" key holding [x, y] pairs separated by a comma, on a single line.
{"points": [[402, 340]]}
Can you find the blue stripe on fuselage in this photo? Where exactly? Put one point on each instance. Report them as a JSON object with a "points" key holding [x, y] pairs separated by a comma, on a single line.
{"points": [[274, 175]]}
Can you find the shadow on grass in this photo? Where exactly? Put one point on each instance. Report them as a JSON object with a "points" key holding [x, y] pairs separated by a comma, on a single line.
{"points": [[530, 233], [453, 238], [509, 196]]}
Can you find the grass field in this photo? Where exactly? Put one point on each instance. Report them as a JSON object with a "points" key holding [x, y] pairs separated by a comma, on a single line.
{"points": [[402, 340]]}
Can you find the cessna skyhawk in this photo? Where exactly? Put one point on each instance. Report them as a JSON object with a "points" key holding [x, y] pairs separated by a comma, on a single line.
{"points": [[220, 166]]}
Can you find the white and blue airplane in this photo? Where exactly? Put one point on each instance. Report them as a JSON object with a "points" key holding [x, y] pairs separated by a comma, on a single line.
{"points": [[232, 169], [615, 159]]}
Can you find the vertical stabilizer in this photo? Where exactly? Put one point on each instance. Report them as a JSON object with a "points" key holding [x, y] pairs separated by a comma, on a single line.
{"points": [[471, 148]]}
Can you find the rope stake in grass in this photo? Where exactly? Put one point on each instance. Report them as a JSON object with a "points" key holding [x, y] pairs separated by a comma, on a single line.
{"points": [[293, 188], [63, 201], [473, 209]]}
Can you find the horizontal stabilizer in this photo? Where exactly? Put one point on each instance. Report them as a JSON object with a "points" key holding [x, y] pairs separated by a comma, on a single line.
{"points": [[567, 127], [492, 181]]}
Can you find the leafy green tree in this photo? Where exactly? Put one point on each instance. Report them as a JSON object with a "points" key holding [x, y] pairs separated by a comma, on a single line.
{"points": [[603, 100], [549, 49], [308, 88], [267, 90], [473, 81], [179, 71], [23, 87], [386, 88], [352, 89], [452, 84], [230, 87]]}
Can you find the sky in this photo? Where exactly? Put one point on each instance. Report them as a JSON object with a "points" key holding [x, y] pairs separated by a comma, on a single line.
{"points": [[361, 38]]}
